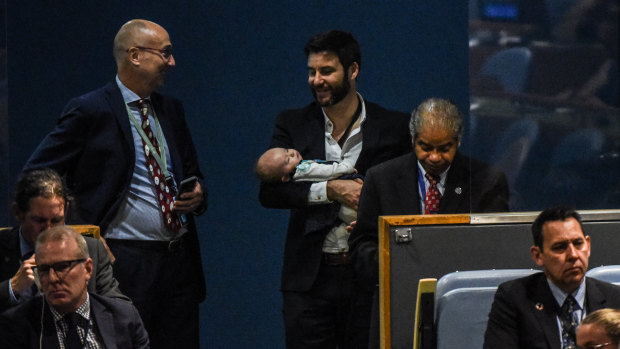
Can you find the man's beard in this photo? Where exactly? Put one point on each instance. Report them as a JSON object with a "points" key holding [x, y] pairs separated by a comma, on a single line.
{"points": [[338, 93]]}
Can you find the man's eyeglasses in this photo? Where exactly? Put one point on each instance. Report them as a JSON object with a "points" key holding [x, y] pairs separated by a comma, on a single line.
{"points": [[61, 268], [164, 52], [595, 346]]}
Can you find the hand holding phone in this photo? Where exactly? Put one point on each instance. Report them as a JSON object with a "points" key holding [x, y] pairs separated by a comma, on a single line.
{"points": [[187, 185]]}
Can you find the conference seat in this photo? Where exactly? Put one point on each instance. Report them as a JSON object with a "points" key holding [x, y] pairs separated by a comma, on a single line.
{"points": [[457, 314], [608, 273], [508, 69]]}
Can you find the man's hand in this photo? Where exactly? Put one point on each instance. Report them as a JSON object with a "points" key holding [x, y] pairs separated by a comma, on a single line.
{"points": [[345, 191], [24, 278], [189, 201]]}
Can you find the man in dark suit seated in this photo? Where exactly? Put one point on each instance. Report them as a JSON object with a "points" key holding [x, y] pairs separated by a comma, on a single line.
{"points": [[543, 310], [67, 312], [435, 178], [40, 202]]}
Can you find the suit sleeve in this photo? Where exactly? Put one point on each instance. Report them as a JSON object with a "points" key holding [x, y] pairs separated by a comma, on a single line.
{"points": [[5, 297], [502, 328], [139, 336], [60, 148], [364, 240], [106, 284]]}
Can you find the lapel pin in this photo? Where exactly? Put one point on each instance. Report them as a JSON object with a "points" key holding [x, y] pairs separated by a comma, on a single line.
{"points": [[539, 306], [458, 190]]}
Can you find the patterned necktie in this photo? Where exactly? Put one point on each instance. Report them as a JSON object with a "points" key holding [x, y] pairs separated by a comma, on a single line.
{"points": [[72, 341], [431, 202], [162, 187], [569, 323]]}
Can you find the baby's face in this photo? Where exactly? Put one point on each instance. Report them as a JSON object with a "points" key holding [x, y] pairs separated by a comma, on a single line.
{"points": [[286, 160]]}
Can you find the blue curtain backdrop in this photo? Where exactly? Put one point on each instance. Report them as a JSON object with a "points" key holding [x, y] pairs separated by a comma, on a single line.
{"points": [[238, 64]]}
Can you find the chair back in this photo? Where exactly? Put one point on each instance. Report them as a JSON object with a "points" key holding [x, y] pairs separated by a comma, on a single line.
{"points": [[510, 68], [462, 316], [463, 301], [607, 273]]}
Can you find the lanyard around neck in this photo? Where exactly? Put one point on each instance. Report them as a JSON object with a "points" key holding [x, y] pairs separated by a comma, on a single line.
{"points": [[158, 154]]}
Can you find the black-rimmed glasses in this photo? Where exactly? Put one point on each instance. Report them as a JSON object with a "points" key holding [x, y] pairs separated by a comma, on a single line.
{"points": [[595, 346], [164, 52], [60, 268]]}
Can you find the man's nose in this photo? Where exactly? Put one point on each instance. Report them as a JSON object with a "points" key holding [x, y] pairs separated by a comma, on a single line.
{"points": [[434, 156], [171, 61], [571, 251]]}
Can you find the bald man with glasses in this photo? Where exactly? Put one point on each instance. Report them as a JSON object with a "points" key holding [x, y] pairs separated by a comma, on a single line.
{"points": [[125, 150]]}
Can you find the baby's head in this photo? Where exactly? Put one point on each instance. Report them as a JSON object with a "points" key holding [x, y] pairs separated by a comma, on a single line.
{"points": [[277, 164]]}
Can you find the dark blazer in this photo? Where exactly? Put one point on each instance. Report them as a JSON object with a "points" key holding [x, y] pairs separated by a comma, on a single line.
{"points": [[385, 135], [92, 147], [118, 322], [102, 281], [524, 312], [391, 188]]}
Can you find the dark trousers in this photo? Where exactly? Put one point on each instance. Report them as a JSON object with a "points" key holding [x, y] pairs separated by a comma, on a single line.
{"points": [[158, 279], [331, 315]]}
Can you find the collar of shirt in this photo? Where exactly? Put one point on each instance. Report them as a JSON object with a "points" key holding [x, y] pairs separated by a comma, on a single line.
{"points": [[128, 95], [24, 247], [560, 296], [83, 310], [441, 185], [333, 152]]}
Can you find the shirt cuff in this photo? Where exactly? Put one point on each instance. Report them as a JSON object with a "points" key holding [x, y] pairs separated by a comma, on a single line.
{"points": [[12, 297], [318, 193]]}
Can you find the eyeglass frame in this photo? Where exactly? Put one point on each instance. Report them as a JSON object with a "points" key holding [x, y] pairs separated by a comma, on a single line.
{"points": [[595, 346], [37, 269], [166, 53]]}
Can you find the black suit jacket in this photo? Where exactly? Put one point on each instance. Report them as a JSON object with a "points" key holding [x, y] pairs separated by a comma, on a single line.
{"points": [[92, 147], [524, 312], [102, 281], [118, 322], [391, 188], [385, 135]]}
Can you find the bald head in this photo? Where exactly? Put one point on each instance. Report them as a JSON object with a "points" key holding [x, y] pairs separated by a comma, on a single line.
{"points": [[143, 54], [132, 33]]}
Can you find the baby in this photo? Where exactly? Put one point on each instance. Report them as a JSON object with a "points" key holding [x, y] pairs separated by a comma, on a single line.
{"points": [[283, 165]]}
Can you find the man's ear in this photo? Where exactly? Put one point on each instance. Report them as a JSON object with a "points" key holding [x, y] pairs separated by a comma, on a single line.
{"points": [[134, 56], [535, 252], [354, 70], [88, 265]]}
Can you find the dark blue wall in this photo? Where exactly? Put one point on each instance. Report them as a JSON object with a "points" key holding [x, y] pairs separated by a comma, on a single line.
{"points": [[238, 65]]}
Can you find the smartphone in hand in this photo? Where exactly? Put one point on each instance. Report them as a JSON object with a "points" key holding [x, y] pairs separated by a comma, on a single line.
{"points": [[187, 185]]}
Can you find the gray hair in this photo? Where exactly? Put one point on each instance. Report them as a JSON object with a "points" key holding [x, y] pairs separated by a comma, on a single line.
{"points": [[437, 112], [63, 233]]}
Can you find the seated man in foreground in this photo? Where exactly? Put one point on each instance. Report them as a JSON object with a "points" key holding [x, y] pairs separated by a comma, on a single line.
{"points": [[67, 312], [543, 310], [40, 202]]}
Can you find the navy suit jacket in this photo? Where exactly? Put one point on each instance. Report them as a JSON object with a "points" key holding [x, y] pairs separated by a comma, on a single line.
{"points": [[523, 314], [102, 281], [92, 147], [391, 188], [385, 135], [118, 322]]}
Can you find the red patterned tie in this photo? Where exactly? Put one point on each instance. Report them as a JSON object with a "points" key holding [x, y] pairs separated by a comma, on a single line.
{"points": [[431, 202], [164, 192]]}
